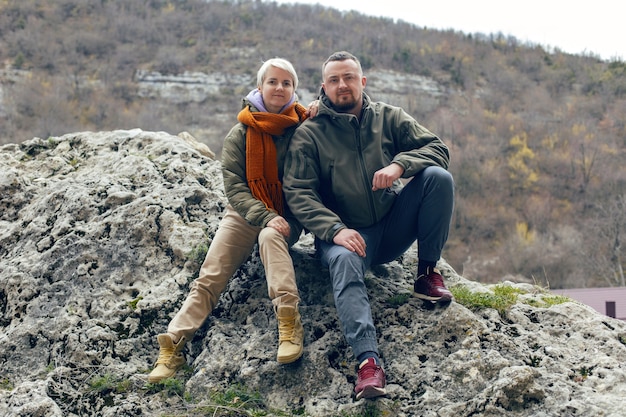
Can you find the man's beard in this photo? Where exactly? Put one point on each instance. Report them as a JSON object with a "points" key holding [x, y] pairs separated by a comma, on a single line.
{"points": [[345, 105]]}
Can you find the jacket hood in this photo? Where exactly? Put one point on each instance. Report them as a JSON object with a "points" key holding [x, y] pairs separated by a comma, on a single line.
{"points": [[254, 99]]}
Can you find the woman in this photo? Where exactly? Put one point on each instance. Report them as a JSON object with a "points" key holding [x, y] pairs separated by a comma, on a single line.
{"points": [[252, 167]]}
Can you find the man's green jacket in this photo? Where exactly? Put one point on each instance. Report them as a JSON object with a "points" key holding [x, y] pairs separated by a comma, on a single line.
{"points": [[332, 158]]}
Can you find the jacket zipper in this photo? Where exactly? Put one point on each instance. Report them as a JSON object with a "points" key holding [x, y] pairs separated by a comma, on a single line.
{"points": [[366, 181]]}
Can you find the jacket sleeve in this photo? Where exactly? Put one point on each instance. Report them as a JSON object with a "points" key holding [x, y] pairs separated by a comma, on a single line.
{"points": [[301, 184], [417, 147], [235, 183]]}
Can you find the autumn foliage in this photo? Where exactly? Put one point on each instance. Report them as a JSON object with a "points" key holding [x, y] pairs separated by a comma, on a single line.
{"points": [[537, 136]]}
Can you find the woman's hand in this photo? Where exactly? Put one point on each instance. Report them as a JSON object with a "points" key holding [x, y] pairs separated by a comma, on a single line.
{"points": [[312, 108], [281, 225]]}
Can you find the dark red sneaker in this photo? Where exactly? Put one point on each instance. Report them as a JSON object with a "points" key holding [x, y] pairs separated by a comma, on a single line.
{"points": [[371, 380], [430, 286]]}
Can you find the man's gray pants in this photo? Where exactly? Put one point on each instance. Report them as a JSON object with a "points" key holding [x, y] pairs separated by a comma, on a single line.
{"points": [[422, 211]]}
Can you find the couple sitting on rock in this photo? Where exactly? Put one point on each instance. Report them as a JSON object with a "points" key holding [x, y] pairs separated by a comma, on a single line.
{"points": [[335, 170]]}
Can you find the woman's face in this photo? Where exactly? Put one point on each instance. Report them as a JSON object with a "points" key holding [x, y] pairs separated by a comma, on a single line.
{"points": [[277, 89]]}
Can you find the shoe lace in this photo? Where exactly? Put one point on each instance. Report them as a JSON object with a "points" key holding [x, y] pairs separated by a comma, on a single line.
{"points": [[286, 329], [436, 280], [368, 371], [165, 355]]}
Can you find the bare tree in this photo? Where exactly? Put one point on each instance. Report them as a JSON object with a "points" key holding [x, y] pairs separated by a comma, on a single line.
{"points": [[605, 246]]}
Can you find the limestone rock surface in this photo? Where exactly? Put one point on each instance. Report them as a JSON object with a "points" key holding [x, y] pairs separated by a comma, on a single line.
{"points": [[101, 234]]}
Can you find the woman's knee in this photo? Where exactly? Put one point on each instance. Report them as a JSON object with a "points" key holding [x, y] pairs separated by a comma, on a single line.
{"points": [[272, 238], [269, 233]]}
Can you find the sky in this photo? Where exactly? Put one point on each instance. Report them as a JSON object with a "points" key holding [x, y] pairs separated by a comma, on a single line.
{"points": [[595, 27]]}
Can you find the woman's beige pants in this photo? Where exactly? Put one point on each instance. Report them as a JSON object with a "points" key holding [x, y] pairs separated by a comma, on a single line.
{"points": [[231, 246]]}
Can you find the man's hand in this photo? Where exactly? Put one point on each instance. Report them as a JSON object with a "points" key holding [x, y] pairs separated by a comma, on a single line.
{"points": [[280, 224], [351, 240], [384, 177]]}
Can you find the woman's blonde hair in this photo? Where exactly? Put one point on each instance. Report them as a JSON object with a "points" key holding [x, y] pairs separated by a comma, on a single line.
{"points": [[278, 63]]}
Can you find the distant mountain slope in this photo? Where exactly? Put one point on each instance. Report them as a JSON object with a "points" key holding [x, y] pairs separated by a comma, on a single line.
{"points": [[537, 137]]}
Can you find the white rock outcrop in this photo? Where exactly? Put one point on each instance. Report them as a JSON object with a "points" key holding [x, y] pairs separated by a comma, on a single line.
{"points": [[101, 234]]}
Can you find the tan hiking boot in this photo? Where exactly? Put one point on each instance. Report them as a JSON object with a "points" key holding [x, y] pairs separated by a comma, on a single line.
{"points": [[170, 358], [290, 334]]}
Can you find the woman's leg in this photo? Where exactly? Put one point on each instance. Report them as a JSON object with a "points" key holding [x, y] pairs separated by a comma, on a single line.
{"points": [[283, 290], [230, 247]]}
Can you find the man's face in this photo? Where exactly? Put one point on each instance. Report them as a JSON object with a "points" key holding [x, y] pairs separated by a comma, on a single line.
{"points": [[344, 84]]}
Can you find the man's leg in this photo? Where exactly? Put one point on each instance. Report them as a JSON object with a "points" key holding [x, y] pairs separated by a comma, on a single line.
{"points": [[422, 212], [347, 273]]}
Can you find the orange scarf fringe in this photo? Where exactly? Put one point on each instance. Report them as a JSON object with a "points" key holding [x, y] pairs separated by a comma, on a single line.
{"points": [[261, 162]]}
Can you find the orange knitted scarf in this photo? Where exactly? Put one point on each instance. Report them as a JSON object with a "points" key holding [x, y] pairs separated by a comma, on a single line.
{"points": [[261, 163]]}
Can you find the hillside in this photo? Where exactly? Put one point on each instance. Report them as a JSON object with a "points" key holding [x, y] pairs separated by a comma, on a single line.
{"points": [[538, 137]]}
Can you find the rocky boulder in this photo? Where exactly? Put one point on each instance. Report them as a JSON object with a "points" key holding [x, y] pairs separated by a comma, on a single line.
{"points": [[101, 235]]}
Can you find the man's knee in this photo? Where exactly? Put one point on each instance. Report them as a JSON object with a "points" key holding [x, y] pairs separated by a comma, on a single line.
{"points": [[348, 263], [439, 175]]}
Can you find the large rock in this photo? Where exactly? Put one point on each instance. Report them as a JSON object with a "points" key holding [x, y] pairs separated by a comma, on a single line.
{"points": [[101, 235]]}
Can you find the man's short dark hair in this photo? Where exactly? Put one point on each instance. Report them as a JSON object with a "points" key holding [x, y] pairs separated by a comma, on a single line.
{"points": [[342, 56]]}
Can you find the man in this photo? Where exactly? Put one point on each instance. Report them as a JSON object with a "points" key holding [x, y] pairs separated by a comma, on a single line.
{"points": [[342, 182]]}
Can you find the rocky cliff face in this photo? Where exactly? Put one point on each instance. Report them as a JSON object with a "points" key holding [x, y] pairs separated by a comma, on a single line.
{"points": [[100, 236]]}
